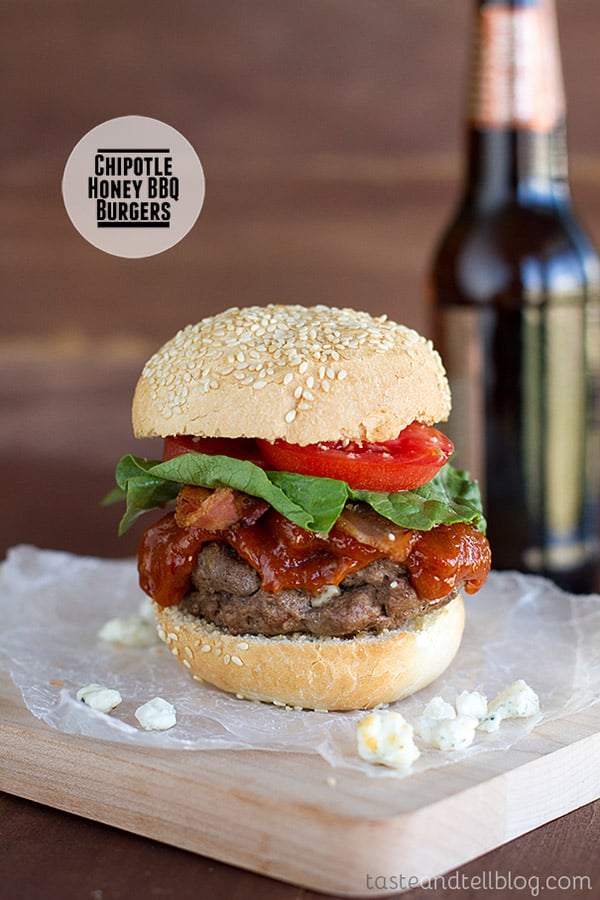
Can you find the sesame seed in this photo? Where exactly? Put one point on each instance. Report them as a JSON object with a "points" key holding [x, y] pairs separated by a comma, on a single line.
{"points": [[189, 652], [236, 661], [205, 648], [227, 659], [187, 663], [242, 645], [258, 346]]}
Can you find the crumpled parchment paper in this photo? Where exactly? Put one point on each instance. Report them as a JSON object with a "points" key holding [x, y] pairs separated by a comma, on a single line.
{"points": [[53, 604]]}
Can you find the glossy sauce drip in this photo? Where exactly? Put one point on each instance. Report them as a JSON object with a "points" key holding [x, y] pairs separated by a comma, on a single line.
{"points": [[166, 559], [287, 556], [448, 557]]}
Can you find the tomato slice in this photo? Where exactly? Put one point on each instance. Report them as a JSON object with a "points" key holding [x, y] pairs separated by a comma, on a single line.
{"points": [[238, 448], [409, 461]]}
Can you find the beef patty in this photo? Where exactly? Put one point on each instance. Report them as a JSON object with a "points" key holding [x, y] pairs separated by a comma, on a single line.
{"points": [[228, 593]]}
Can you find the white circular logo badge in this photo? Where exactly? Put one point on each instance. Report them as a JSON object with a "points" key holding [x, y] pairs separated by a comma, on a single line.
{"points": [[133, 186]]}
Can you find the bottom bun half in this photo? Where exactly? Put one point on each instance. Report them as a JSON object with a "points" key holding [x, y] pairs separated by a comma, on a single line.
{"points": [[317, 672]]}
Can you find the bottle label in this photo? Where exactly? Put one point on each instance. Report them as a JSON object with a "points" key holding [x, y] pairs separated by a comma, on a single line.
{"points": [[530, 422], [516, 79], [553, 429]]}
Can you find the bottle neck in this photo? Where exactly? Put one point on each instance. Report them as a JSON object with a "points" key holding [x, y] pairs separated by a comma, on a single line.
{"points": [[509, 164], [516, 107]]}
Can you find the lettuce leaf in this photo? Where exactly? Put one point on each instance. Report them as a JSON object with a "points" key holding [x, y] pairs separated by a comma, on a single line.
{"points": [[448, 498], [308, 501]]}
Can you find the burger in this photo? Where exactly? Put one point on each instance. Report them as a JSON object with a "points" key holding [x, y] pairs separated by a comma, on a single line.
{"points": [[314, 538]]}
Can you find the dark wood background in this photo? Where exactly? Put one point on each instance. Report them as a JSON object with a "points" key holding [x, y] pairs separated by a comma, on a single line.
{"points": [[330, 134]]}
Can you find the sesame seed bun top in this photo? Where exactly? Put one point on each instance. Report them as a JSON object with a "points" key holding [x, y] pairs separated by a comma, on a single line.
{"points": [[292, 372]]}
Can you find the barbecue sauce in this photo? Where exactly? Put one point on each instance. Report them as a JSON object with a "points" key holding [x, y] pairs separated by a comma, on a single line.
{"points": [[449, 557], [287, 556]]}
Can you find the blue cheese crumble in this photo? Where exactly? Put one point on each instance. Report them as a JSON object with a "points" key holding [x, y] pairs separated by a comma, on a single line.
{"points": [[156, 715], [98, 697], [441, 727], [517, 701], [138, 630], [386, 738]]}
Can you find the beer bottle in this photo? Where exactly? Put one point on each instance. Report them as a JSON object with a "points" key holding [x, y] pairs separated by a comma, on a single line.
{"points": [[515, 284]]}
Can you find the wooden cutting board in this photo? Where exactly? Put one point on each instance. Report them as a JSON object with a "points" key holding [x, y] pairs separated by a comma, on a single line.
{"points": [[292, 816]]}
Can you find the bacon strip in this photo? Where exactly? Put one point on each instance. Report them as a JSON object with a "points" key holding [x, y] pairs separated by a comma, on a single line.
{"points": [[216, 510]]}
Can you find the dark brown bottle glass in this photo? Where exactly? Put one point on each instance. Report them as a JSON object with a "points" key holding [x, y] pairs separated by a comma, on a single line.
{"points": [[515, 283]]}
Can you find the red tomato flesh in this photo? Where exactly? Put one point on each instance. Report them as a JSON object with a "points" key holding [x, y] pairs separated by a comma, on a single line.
{"points": [[409, 461], [238, 448]]}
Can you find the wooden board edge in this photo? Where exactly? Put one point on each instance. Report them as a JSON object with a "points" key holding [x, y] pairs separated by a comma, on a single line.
{"points": [[328, 853]]}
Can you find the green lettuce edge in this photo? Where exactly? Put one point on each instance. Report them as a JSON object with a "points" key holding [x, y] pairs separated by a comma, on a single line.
{"points": [[313, 503]]}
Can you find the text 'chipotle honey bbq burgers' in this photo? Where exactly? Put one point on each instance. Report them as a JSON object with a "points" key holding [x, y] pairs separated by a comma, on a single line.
{"points": [[319, 537]]}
